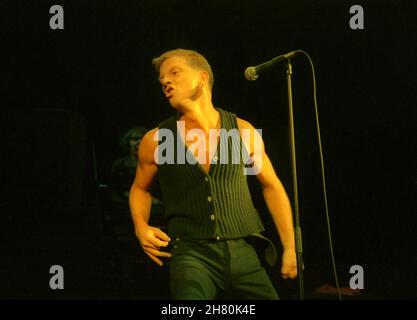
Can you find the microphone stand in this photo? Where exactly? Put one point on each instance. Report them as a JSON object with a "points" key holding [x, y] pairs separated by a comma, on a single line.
{"points": [[298, 238]]}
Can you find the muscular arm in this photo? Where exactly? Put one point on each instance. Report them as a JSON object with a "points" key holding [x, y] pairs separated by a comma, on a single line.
{"points": [[140, 200], [139, 197], [276, 199]]}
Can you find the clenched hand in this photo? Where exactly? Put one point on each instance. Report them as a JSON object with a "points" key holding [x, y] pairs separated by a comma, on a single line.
{"points": [[151, 240]]}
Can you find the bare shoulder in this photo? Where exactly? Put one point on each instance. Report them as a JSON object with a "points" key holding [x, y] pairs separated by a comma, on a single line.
{"points": [[148, 145], [246, 127], [149, 136], [243, 124], [250, 135]]}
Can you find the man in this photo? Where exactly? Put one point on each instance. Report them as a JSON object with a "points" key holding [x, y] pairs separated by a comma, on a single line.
{"points": [[207, 204]]}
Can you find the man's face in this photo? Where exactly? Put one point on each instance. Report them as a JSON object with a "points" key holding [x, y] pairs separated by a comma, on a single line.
{"points": [[179, 81]]}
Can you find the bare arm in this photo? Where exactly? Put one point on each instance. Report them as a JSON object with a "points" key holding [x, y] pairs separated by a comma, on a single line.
{"points": [[276, 199], [140, 200]]}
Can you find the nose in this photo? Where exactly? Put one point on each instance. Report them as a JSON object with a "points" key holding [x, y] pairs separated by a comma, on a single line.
{"points": [[164, 81]]}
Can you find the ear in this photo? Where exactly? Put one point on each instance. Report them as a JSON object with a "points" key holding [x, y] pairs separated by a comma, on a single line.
{"points": [[204, 80]]}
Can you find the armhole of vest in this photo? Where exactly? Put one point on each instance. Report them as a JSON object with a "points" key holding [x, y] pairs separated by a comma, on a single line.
{"points": [[233, 118], [166, 124], [163, 124]]}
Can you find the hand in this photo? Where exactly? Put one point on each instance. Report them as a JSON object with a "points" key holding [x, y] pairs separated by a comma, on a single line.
{"points": [[289, 264], [151, 240]]}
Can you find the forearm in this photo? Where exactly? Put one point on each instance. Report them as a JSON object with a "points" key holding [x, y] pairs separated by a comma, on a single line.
{"points": [[140, 202], [280, 208]]}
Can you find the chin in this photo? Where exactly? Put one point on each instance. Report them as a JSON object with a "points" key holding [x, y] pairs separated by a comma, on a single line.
{"points": [[175, 104]]}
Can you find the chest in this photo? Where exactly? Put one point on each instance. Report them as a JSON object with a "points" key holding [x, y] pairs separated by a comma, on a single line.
{"points": [[201, 146]]}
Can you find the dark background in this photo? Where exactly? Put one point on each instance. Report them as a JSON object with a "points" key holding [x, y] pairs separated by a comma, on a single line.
{"points": [[68, 96]]}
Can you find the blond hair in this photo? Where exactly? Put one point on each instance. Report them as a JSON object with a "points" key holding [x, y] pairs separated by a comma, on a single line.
{"points": [[193, 58]]}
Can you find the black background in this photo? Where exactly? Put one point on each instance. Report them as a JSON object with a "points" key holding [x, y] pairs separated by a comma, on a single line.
{"points": [[68, 96]]}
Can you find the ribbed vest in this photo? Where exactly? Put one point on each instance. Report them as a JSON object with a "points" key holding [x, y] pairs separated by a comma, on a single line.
{"points": [[214, 204]]}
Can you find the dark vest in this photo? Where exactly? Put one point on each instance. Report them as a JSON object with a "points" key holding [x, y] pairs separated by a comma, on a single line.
{"points": [[200, 205]]}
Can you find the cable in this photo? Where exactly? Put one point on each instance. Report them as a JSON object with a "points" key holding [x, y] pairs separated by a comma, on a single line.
{"points": [[323, 173]]}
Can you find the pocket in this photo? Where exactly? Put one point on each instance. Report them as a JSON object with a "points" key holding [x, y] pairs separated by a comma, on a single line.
{"points": [[250, 246], [265, 248], [250, 255], [173, 245]]}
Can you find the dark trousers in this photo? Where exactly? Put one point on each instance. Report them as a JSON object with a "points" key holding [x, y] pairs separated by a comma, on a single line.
{"points": [[209, 269]]}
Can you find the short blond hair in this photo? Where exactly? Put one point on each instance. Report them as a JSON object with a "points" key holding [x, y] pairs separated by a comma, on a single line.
{"points": [[193, 58]]}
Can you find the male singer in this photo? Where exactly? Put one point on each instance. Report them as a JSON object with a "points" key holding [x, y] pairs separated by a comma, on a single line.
{"points": [[208, 206]]}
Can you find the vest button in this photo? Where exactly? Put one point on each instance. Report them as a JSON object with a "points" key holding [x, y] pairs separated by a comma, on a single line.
{"points": [[209, 199], [215, 158], [212, 217], [206, 178], [217, 238]]}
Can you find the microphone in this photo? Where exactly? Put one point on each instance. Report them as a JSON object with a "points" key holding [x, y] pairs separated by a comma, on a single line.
{"points": [[252, 73]]}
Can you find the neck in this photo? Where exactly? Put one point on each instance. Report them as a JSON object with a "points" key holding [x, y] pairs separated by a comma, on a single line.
{"points": [[200, 113]]}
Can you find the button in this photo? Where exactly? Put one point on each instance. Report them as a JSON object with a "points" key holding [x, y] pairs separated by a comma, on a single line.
{"points": [[217, 238], [206, 178], [215, 158], [212, 217], [209, 199], [178, 239]]}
